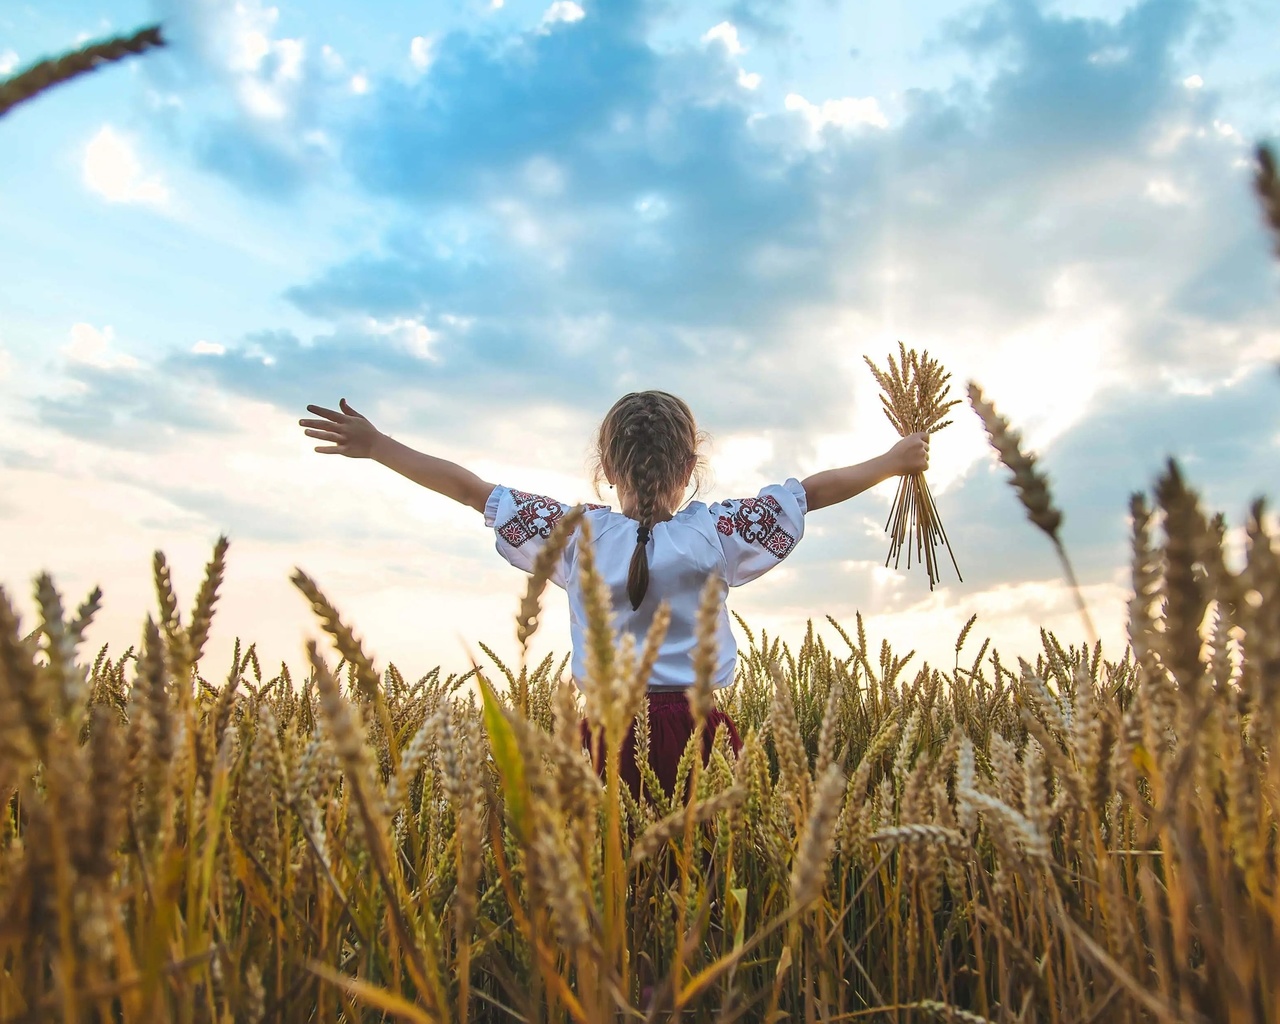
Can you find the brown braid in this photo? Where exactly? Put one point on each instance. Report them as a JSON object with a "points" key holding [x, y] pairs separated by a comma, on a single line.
{"points": [[48, 73], [647, 442]]}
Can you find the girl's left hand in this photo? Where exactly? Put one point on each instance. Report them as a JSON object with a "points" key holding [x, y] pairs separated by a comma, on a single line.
{"points": [[911, 454]]}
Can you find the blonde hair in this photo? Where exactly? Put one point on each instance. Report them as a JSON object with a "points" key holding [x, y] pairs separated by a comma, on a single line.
{"points": [[649, 442]]}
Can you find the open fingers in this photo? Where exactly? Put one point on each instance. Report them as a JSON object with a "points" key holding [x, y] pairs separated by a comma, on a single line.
{"points": [[333, 449], [320, 424], [327, 435], [329, 414], [345, 406]]}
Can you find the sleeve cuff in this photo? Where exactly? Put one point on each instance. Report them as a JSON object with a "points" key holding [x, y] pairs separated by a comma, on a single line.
{"points": [[798, 492], [491, 505]]}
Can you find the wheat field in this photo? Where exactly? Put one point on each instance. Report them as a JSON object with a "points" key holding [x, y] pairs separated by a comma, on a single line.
{"points": [[1059, 837]]}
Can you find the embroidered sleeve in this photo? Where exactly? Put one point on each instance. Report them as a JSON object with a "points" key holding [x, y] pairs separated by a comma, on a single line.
{"points": [[758, 533], [522, 522]]}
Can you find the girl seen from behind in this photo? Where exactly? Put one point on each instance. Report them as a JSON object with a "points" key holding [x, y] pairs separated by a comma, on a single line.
{"points": [[651, 549]]}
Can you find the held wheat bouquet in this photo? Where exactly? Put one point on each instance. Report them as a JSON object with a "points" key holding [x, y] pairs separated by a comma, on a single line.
{"points": [[914, 393]]}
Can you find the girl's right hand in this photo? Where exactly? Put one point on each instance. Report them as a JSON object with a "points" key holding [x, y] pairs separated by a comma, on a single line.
{"points": [[348, 432]]}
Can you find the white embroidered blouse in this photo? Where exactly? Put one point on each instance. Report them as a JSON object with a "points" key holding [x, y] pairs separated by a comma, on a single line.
{"points": [[735, 541]]}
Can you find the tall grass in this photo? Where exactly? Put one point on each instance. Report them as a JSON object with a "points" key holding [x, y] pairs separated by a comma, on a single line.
{"points": [[1058, 838]]}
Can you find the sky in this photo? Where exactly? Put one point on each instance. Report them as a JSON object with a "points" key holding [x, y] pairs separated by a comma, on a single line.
{"points": [[482, 221]]}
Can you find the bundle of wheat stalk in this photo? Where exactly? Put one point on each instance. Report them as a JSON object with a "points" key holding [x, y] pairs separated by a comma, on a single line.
{"points": [[914, 394]]}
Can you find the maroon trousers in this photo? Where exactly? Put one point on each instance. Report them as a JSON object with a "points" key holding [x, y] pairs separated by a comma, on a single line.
{"points": [[670, 726]]}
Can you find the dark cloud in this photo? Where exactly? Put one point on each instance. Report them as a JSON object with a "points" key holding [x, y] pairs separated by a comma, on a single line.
{"points": [[241, 516], [673, 207], [766, 20], [132, 408], [254, 160]]}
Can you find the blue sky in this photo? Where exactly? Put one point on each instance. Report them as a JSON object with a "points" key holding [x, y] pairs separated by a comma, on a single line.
{"points": [[480, 222]]}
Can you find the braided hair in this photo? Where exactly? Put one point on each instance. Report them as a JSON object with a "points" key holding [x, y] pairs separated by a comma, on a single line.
{"points": [[648, 442]]}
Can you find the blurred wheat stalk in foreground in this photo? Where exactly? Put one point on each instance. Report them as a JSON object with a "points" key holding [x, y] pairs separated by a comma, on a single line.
{"points": [[1032, 487], [1267, 184], [1063, 838], [46, 74]]}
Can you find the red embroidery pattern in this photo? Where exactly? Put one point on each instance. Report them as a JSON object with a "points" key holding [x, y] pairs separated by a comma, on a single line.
{"points": [[779, 543], [535, 516], [756, 522], [755, 519]]}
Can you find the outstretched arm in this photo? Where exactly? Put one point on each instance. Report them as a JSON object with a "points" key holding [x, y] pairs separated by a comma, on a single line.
{"points": [[832, 486], [352, 435]]}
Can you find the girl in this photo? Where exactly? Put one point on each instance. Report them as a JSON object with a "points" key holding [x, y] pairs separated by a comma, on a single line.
{"points": [[652, 549]]}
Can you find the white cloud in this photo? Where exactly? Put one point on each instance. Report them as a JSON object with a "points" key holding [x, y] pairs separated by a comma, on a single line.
{"points": [[359, 84], [260, 100], [843, 113], [420, 52], [726, 34], [1193, 82], [112, 169], [412, 335], [1013, 614], [237, 41], [562, 11], [248, 36], [208, 348], [290, 54], [332, 59], [8, 62], [90, 346]]}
